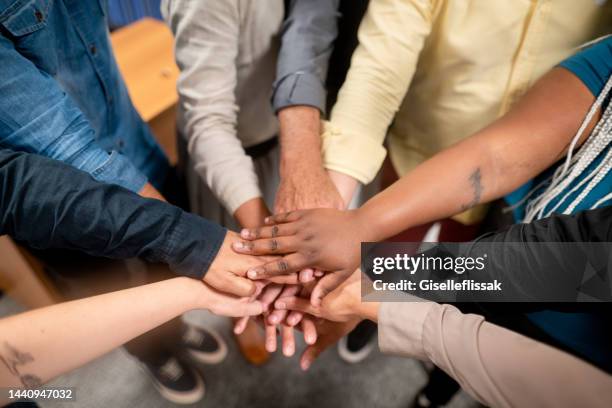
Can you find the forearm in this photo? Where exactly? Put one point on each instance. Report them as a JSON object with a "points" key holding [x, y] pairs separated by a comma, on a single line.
{"points": [[62, 337], [98, 218], [494, 365], [252, 213], [304, 181], [489, 164], [300, 139]]}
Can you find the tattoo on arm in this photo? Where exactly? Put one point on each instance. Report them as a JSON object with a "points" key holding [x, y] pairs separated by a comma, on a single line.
{"points": [[476, 183], [13, 359]]}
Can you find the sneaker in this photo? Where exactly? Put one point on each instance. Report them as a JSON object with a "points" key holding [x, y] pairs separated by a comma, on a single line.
{"points": [[177, 382], [204, 345], [359, 343]]}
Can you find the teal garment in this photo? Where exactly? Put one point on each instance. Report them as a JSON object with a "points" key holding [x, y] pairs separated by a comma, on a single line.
{"points": [[581, 332]]}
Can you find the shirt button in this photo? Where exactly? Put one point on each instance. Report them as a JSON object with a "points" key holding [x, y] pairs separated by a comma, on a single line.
{"points": [[93, 49], [39, 16], [120, 143]]}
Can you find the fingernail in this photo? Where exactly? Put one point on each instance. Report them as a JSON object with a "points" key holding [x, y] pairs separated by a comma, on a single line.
{"points": [[288, 351], [273, 319], [252, 273], [305, 365], [310, 339], [245, 233], [267, 220], [280, 305], [239, 245]]}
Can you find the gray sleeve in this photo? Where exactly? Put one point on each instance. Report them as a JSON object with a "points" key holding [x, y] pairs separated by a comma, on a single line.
{"points": [[308, 35]]}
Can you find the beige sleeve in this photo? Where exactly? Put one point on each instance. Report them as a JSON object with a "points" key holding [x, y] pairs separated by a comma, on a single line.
{"points": [[391, 37], [207, 35], [498, 367]]}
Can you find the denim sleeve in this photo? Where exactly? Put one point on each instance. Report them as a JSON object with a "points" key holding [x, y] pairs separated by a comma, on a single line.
{"points": [[308, 35], [48, 204], [37, 116]]}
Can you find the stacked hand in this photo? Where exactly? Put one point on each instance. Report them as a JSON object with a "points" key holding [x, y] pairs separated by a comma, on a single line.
{"points": [[325, 239]]}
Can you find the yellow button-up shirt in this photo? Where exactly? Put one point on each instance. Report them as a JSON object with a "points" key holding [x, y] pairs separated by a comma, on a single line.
{"points": [[432, 72]]}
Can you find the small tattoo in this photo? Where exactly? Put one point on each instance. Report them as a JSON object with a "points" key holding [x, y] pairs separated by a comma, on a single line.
{"points": [[274, 231], [13, 359], [283, 266], [273, 245], [476, 182], [31, 381]]}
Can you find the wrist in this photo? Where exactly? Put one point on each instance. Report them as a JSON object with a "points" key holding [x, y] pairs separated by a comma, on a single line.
{"points": [[191, 294], [252, 213], [368, 310]]}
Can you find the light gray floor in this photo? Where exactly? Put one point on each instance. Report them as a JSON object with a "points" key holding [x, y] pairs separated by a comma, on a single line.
{"points": [[116, 380]]}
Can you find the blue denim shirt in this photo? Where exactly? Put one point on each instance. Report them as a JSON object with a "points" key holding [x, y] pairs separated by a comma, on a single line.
{"points": [[63, 96]]}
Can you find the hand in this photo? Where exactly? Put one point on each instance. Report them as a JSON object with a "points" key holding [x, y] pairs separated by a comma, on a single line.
{"points": [[271, 319], [306, 188], [325, 239], [205, 297], [228, 270], [342, 305], [304, 182]]}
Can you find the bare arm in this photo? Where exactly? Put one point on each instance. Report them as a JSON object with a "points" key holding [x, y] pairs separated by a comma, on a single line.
{"points": [[483, 167], [489, 164], [304, 181], [39, 345]]}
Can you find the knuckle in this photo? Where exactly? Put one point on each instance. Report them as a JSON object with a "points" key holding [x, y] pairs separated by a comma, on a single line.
{"points": [[273, 245], [283, 265]]}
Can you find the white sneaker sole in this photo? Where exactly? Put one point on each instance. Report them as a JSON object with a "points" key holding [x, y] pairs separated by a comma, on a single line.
{"points": [[210, 358], [351, 357]]}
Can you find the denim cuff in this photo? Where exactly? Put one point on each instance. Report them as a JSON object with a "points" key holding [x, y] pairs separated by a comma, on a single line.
{"points": [[193, 245], [299, 88], [119, 170]]}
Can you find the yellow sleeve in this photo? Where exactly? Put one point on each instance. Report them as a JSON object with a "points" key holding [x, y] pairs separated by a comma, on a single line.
{"points": [[391, 37]]}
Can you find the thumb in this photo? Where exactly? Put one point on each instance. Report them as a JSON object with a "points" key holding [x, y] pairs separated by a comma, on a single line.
{"points": [[325, 286], [238, 286], [237, 308]]}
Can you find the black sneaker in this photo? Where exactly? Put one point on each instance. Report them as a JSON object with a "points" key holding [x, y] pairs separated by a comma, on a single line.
{"points": [[204, 345], [359, 343], [177, 382]]}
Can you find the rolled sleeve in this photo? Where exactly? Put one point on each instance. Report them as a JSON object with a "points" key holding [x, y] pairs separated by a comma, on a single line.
{"points": [[309, 32], [299, 88], [37, 116], [358, 157], [391, 37], [207, 37], [118, 169]]}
